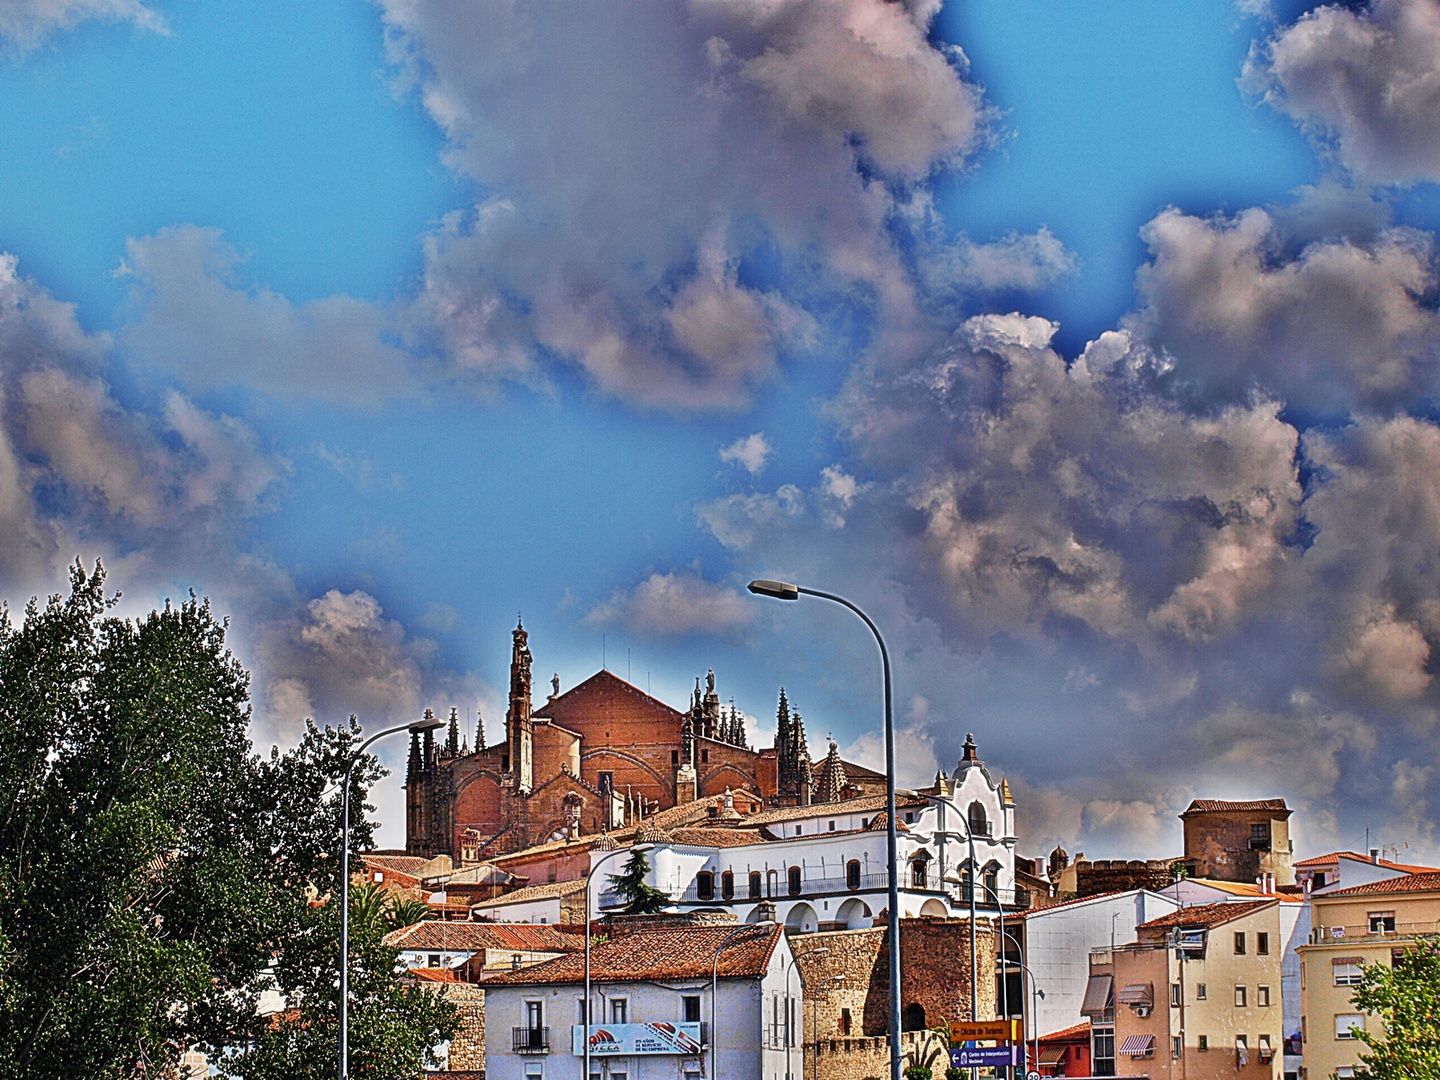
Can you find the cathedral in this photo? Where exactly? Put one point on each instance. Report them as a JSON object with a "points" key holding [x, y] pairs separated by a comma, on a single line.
{"points": [[601, 756]]}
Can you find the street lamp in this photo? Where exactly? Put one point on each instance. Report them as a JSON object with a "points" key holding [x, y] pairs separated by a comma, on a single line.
{"points": [[714, 996], [782, 590], [1035, 992], [427, 723], [588, 1017]]}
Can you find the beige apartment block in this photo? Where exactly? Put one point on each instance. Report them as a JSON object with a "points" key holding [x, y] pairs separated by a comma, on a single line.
{"points": [[1372, 923], [1197, 996]]}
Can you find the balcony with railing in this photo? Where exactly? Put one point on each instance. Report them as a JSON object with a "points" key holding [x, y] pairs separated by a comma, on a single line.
{"points": [[530, 1040], [1376, 930]]}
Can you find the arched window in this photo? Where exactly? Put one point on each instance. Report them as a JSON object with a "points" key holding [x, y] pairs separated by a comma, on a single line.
{"points": [[918, 876], [794, 881], [914, 1019], [852, 875], [705, 885], [979, 823], [992, 883], [754, 884], [727, 885]]}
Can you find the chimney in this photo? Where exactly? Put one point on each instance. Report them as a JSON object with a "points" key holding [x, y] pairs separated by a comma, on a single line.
{"points": [[765, 912], [1375, 855]]}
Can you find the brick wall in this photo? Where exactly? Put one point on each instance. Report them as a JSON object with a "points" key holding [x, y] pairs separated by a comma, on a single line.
{"points": [[1217, 845], [860, 1059]]}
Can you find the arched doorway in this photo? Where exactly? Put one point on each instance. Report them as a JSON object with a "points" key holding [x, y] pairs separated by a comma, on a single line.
{"points": [[802, 919], [854, 914], [914, 1019]]}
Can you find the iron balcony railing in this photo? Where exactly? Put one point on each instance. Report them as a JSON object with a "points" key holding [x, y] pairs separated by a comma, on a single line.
{"points": [[530, 1040], [1321, 935]]}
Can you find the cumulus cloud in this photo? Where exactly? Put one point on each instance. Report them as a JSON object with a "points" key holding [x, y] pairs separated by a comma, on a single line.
{"points": [[628, 159], [25, 24], [915, 760], [750, 452], [1341, 324], [197, 320], [675, 603], [1366, 81]]}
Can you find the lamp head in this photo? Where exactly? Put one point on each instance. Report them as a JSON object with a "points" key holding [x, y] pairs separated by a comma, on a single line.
{"points": [[780, 590], [428, 722]]}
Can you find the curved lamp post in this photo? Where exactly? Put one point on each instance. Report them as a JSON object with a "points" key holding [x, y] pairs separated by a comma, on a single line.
{"points": [[782, 590], [589, 1018], [1035, 992], [429, 723], [714, 992]]}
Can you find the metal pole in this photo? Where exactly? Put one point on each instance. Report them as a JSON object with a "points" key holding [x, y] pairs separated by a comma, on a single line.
{"points": [[587, 1019], [891, 841], [345, 890], [1004, 980], [1034, 1028]]}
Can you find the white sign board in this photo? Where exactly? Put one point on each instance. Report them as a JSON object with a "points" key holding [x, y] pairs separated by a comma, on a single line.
{"points": [[636, 1039]]}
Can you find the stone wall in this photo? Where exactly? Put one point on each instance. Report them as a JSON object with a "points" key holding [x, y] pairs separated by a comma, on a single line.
{"points": [[1121, 875], [1217, 845], [860, 1059], [847, 971], [467, 1048]]}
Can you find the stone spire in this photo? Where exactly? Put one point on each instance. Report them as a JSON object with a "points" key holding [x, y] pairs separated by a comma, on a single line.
{"points": [[830, 785], [804, 769], [782, 729], [479, 731], [452, 738], [518, 727]]}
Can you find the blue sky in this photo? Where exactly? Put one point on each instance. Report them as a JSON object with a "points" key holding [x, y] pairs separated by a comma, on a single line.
{"points": [[1090, 346]]}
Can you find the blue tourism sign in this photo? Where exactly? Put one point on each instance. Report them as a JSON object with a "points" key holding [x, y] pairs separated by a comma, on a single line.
{"points": [[963, 1057]]}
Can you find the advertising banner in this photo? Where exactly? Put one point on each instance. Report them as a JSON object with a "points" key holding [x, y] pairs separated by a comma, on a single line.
{"points": [[636, 1039]]}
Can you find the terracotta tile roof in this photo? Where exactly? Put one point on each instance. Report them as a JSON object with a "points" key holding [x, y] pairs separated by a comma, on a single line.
{"points": [[1205, 916], [573, 846], [692, 813], [862, 805], [1207, 806], [665, 953], [548, 891], [1428, 882], [472, 937], [1335, 856], [443, 975], [719, 838], [1075, 1031], [400, 864], [1245, 888]]}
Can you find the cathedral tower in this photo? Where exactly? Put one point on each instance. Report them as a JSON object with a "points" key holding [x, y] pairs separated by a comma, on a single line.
{"points": [[519, 728]]}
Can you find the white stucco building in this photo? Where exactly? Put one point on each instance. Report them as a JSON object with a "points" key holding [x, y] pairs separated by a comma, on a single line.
{"points": [[654, 1016], [824, 866]]}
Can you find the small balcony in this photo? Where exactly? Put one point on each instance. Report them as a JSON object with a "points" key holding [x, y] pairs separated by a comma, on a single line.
{"points": [[530, 1040]]}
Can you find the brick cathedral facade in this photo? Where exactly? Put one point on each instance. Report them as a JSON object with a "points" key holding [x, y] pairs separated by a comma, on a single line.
{"points": [[603, 755]]}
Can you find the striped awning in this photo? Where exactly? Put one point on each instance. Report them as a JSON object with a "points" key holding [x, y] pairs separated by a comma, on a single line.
{"points": [[1052, 1055], [1138, 1045], [1099, 996]]}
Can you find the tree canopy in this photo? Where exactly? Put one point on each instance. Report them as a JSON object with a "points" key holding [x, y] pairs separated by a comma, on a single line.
{"points": [[157, 876], [1406, 998], [630, 886]]}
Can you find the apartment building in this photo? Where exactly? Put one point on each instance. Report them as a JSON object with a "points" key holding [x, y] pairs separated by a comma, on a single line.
{"points": [[1372, 923], [1196, 996], [667, 1003]]}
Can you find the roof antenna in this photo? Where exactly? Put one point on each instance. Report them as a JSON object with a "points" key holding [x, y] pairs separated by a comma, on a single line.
{"points": [[627, 663], [602, 653]]}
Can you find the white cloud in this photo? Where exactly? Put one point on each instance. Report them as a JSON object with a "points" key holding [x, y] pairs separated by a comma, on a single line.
{"points": [[915, 761], [1343, 324], [664, 127], [750, 452], [1367, 79], [25, 24], [196, 320], [676, 603]]}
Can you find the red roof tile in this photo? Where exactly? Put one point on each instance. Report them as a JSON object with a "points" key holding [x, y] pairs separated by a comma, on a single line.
{"points": [[472, 937], [1070, 1034], [1208, 806], [1429, 882], [1207, 915], [665, 953]]}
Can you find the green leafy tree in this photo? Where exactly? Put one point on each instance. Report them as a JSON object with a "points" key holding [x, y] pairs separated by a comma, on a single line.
{"points": [[1406, 998], [629, 885], [156, 875]]}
